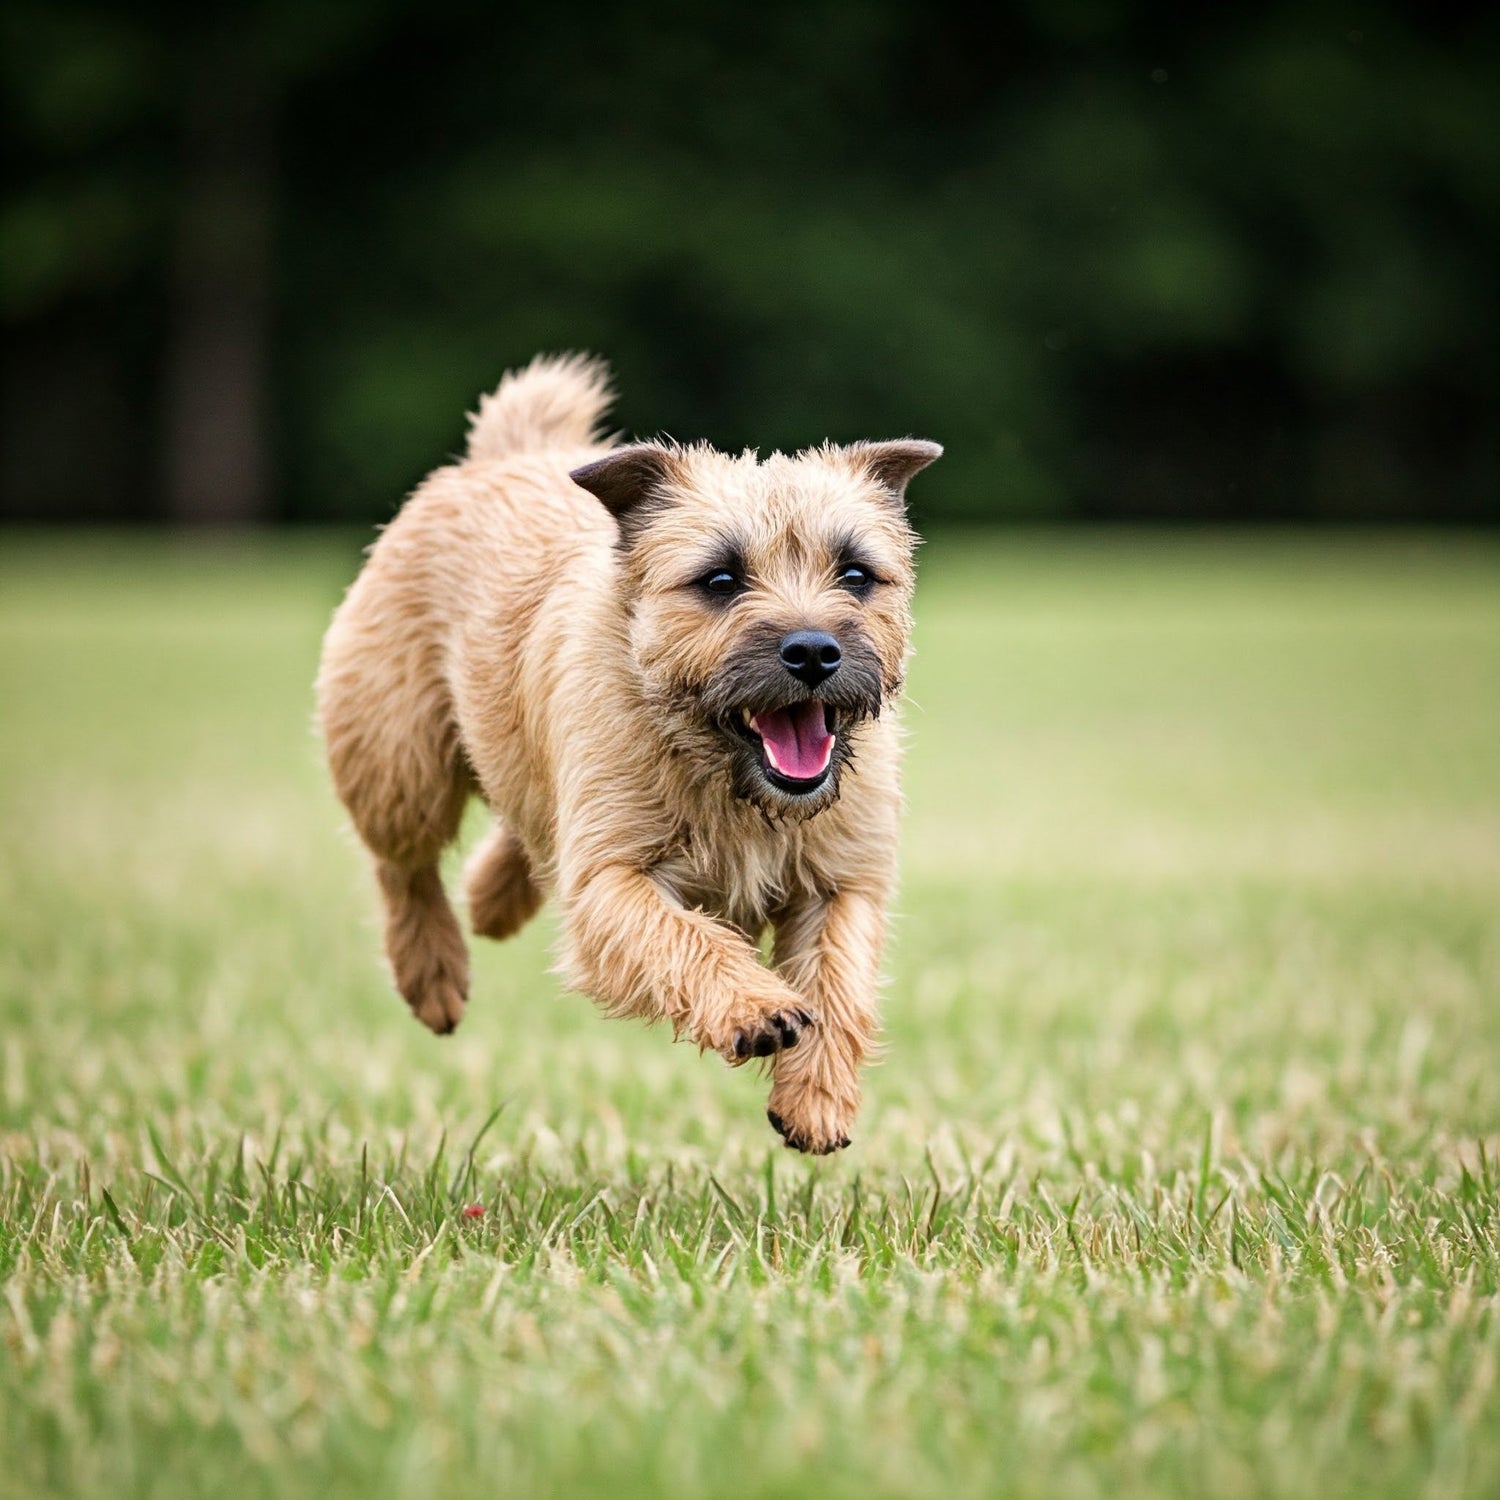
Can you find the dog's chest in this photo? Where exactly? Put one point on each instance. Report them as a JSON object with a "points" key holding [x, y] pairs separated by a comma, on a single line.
{"points": [[744, 878]]}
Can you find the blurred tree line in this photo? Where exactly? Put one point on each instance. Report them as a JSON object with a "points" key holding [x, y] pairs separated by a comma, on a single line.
{"points": [[1124, 260]]}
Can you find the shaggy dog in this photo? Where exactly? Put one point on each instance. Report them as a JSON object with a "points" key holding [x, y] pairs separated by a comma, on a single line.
{"points": [[672, 674]]}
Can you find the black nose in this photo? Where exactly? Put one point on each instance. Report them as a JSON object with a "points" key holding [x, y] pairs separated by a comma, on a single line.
{"points": [[810, 655]]}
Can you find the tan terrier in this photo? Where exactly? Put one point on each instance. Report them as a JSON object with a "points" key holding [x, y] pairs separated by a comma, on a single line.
{"points": [[672, 674]]}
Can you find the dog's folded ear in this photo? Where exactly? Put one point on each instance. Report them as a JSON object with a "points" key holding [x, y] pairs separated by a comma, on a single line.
{"points": [[892, 464], [626, 478]]}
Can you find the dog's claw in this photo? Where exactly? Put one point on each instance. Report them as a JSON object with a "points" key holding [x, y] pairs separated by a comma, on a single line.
{"points": [[795, 1142], [741, 1044]]}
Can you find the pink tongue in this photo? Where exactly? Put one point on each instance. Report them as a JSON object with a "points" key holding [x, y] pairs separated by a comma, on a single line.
{"points": [[797, 740]]}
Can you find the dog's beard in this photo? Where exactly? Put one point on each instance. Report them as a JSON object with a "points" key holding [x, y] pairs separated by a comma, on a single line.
{"points": [[776, 743]]}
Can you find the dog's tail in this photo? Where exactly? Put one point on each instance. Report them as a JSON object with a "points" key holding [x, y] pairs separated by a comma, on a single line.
{"points": [[557, 401]]}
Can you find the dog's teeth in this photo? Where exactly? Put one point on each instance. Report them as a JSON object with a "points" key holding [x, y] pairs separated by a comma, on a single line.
{"points": [[748, 717]]}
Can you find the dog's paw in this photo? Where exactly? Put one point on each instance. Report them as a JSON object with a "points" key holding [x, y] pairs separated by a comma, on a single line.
{"points": [[760, 1027], [766, 1035], [810, 1142], [503, 896], [809, 1120], [433, 977], [439, 1006]]}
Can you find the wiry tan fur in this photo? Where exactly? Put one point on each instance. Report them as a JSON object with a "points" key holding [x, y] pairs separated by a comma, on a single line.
{"points": [[511, 636]]}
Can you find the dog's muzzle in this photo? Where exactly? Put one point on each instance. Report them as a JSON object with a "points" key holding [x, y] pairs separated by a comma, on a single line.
{"points": [[797, 731]]}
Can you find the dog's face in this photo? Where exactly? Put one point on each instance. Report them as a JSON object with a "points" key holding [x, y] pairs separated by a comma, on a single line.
{"points": [[769, 604]]}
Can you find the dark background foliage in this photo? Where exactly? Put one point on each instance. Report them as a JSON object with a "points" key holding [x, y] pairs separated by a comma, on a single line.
{"points": [[1126, 261]]}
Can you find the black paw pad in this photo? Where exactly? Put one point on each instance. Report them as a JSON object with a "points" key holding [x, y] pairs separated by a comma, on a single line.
{"points": [[777, 1033]]}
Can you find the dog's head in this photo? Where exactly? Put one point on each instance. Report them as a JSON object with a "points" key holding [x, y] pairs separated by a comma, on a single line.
{"points": [[769, 603]]}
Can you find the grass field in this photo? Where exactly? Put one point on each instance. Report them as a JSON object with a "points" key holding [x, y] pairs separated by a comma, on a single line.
{"points": [[1181, 1175]]}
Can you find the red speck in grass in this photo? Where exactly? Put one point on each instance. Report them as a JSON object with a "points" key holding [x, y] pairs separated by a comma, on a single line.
{"points": [[474, 1211]]}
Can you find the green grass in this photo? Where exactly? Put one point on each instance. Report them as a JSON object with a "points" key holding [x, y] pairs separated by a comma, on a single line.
{"points": [[1181, 1175]]}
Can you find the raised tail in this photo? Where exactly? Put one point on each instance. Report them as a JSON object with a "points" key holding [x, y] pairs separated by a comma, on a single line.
{"points": [[557, 401]]}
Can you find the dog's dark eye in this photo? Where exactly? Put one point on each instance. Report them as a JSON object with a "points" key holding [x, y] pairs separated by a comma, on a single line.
{"points": [[722, 582], [855, 577]]}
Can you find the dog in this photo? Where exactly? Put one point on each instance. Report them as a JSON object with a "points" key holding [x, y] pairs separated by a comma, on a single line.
{"points": [[673, 675]]}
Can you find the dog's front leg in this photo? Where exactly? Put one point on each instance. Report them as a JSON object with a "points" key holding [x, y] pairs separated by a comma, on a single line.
{"points": [[639, 953], [829, 951]]}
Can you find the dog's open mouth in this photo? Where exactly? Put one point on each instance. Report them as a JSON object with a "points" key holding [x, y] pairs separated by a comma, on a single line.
{"points": [[795, 742]]}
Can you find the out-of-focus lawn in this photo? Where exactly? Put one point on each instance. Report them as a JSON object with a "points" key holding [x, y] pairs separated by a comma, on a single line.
{"points": [[1180, 1174]]}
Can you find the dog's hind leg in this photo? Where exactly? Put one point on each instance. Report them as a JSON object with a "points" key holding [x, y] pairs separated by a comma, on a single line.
{"points": [[503, 894], [424, 944], [423, 941], [397, 766]]}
